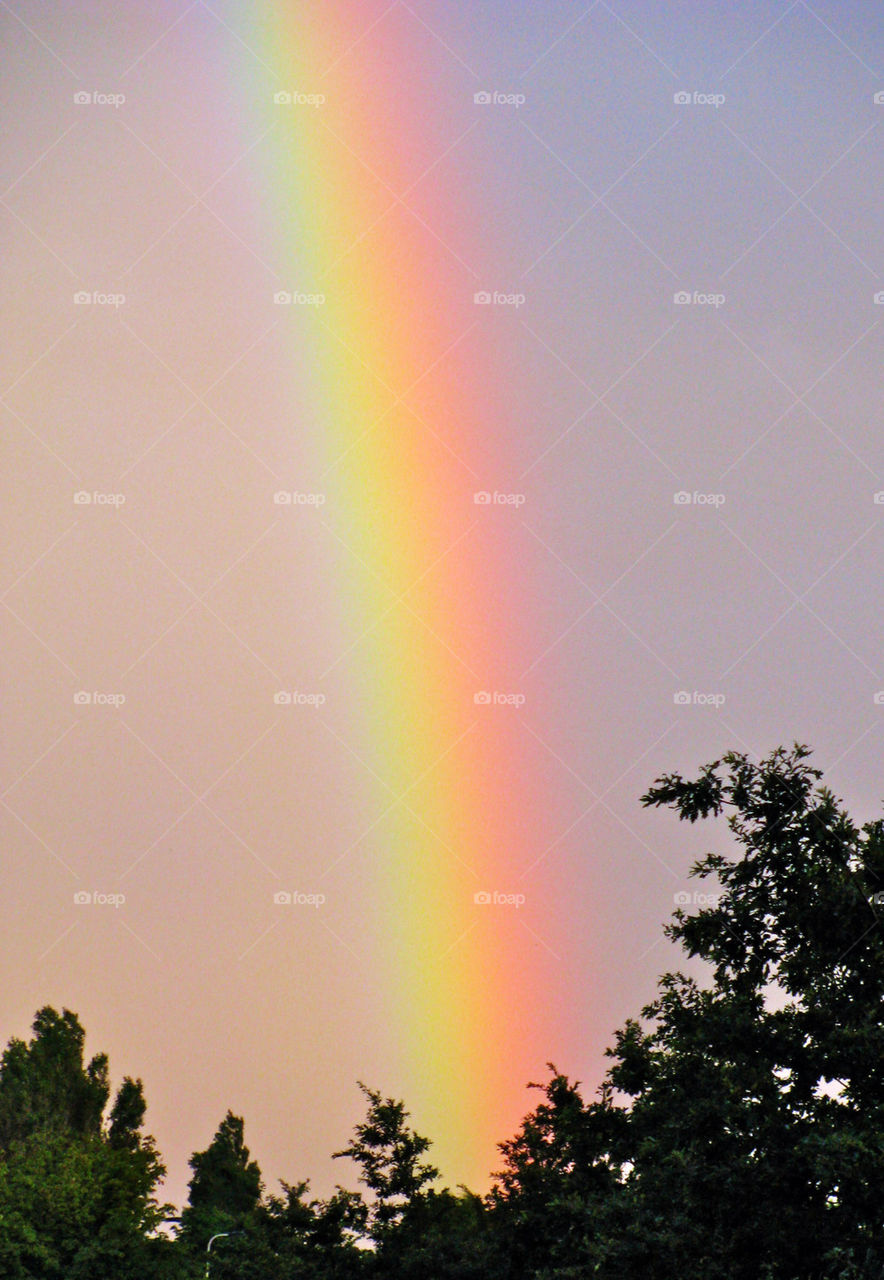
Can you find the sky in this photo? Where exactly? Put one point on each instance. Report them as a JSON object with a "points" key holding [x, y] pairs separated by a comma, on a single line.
{"points": [[424, 424]]}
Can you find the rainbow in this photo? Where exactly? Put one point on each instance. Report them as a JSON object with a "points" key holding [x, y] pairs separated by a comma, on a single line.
{"points": [[422, 569]]}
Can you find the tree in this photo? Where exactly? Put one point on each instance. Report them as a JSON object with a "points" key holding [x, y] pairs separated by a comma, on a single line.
{"points": [[224, 1192], [739, 1133], [77, 1193], [558, 1181], [755, 1135], [416, 1230], [300, 1239], [446, 1235], [45, 1085], [389, 1155]]}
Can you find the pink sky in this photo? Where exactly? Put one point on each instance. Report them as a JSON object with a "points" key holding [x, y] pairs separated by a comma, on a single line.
{"points": [[181, 588]]}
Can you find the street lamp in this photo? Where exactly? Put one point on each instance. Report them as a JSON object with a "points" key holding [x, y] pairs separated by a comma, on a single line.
{"points": [[219, 1236]]}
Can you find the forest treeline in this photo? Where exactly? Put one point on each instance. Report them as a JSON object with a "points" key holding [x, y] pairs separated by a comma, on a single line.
{"points": [[738, 1134]]}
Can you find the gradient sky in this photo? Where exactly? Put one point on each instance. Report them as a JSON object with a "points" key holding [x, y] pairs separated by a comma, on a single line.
{"points": [[639, 633]]}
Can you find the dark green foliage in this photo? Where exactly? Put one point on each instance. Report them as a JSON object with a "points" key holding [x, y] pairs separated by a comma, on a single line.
{"points": [[414, 1230], [746, 1141], [44, 1084], [558, 1173], [224, 1194], [738, 1134], [77, 1196], [293, 1237], [389, 1157], [444, 1235], [224, 1177], [754, 1136]]}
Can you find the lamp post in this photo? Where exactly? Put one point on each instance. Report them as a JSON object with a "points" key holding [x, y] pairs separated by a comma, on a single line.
{"points": [[218, 1236]]}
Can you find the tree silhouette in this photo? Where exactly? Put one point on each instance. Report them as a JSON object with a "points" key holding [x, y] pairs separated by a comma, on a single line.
{"points": [[224, 1192], [77, 1195], [389, 1155], [738, 1133]]}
